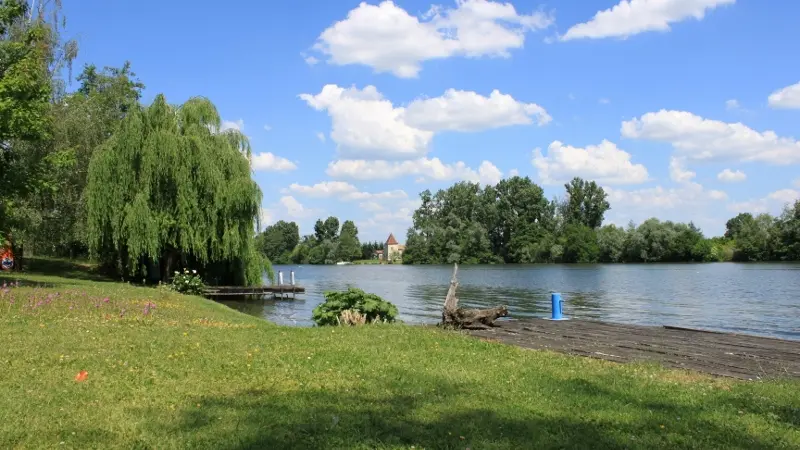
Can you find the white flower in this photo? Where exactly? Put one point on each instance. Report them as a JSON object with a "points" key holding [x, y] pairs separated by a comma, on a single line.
{"points": [[194, 271]]}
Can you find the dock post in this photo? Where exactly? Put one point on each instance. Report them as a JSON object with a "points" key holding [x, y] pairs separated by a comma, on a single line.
{"points": [[291, 281], [280, 278], [555, 301]]}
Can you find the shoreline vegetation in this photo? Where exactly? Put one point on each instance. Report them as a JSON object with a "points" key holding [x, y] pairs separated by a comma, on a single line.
{"points": [[147, 367], [513, 223]]}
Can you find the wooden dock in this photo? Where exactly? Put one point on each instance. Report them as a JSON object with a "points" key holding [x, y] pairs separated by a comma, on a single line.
{"points": [[276, 291], [716, 353]]}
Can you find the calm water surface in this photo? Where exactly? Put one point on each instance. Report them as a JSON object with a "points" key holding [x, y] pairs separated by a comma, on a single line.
{"points": [[745, 298]]}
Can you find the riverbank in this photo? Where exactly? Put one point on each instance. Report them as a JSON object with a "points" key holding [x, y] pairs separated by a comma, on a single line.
{"points": [[170, 371], [723, 354]]}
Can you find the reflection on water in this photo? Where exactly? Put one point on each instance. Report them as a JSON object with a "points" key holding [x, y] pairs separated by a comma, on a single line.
{"points": [[747, 298]]}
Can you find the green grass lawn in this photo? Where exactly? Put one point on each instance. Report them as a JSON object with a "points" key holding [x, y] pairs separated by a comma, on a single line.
{"points": [[190, 373]]}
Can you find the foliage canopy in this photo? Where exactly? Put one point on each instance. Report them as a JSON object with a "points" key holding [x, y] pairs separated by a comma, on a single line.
{"points": [[168, 188]]}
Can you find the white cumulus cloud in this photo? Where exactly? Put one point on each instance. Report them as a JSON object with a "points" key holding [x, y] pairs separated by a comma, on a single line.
{"points": [[788, 97], [371, 206], [387, 38], [294, 208], [772, 203], [364, 124], [267, 161], [687, 202], [422, 169], [732, 104], [630, 17], [344, 191], [678, 171], [604, 163], [731, 176], [700, 139], [470, 111]]}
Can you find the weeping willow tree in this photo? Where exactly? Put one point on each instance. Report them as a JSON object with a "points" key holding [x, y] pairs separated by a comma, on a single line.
{"points": [[169, 190]]}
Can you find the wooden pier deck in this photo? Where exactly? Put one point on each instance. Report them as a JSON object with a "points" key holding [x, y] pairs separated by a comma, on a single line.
{"points": [[279, 290], [716, 353]]}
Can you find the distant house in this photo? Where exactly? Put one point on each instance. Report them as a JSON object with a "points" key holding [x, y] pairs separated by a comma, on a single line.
{"points": [[393, 250], [377, 254]]}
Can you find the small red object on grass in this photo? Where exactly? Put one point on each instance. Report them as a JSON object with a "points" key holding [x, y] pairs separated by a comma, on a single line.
{"points": [[81, 376]]}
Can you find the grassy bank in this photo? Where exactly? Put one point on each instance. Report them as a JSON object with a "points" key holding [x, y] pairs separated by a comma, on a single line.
{"points": [[171, 371], [367, 262]]}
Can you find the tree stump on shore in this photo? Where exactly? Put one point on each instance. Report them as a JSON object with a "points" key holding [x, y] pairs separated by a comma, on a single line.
{"points": [[473, 319]]}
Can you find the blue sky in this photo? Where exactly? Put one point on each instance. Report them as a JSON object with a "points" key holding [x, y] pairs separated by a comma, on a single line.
{"points": [[682, 109]]}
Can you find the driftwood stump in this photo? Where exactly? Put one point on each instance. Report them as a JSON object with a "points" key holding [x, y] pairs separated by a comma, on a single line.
{"points": [[473, 319]]}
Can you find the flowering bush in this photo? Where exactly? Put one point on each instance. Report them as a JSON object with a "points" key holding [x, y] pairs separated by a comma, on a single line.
{"points": [[353, 307], [188, 283]]}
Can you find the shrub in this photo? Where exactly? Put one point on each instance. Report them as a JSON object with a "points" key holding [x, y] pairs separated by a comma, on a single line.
{"points": [[353, 306], [188, 283]]}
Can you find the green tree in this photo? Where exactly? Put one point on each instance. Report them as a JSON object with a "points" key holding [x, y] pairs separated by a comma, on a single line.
{"points": [[25, 83], [788, 233], [82, 121], [586, 203], [327, 230], [302, 252], [32, 57], [611, 243], [349, 247], [734, 225], [166, 190], [523, 217], [368, 249], [579, 243], [278, 241], [754, 238], [25, 92]]}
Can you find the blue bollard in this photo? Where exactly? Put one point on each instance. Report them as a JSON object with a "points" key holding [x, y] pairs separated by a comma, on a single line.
{"points": [[555, 300]]}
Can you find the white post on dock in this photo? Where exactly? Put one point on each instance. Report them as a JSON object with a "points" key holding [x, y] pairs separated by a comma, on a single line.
{"points": [[291, 277], [280, 278]]}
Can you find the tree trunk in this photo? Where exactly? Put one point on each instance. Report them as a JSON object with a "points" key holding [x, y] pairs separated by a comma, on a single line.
{"points": [[453, 316], [168, 263]]}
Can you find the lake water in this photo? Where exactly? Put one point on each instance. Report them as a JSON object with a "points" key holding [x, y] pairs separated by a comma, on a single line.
{"points": [[746, 298]]}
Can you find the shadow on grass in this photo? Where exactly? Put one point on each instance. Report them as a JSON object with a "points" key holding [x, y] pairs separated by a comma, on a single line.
{"points": [[454, 417], [65, 268]]}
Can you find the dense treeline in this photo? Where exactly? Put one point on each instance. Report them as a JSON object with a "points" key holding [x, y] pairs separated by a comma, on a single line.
{"points": [[144, 189], [368, 249], [282, 244], [512, 222]]}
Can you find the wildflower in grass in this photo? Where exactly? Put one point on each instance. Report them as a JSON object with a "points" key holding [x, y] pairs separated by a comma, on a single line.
{"points": [[148, 308], [81, 376], [105, 300]]}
